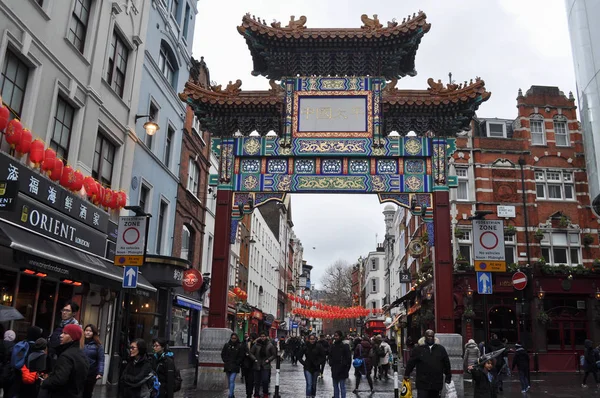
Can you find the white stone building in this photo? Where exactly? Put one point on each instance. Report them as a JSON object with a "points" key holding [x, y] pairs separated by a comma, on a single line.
{"points": [[374, 268]]}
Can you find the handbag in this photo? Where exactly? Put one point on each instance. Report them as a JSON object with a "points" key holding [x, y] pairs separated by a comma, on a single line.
{"points": [[358, 362], [406, 391]]}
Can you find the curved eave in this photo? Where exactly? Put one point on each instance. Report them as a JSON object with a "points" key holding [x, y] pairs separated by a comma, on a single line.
{"points": [[420, 98], [200, 95]]}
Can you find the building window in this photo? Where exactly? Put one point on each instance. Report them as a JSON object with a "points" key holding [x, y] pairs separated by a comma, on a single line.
{"points": [[186, 21], [187, 243], [174, 9], [63, 124], [144, 196], [79, 22], [14, 83], [496, 130], [373, 264], [374, 305], [373, 285], [170, 134], [153, 115], [117, 64], [510, 249], [167, 63], [538, 134], [464, 245], [554, 184], [561, 248], [462, 192], [104, 159], [193, 178], [162, 215], [561, 133]]}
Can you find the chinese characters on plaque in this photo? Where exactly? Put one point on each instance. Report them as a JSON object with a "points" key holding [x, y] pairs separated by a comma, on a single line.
{"points": [[332, 114]]}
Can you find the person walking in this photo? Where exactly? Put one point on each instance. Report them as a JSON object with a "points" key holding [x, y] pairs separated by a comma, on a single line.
{"points": [[375, 356], [483, 379], [248, 364], [496, 344], [521, 361], [384, 361], [591, 356], [136, 376], [470, 355], [432, 363], [324, 342], [362, 350], [94, 352], [340, 361], [71, 368], [311, 359], [232, 355], [7, 374], [34, 368], [163, 364], [264, 353], [67, 314]]}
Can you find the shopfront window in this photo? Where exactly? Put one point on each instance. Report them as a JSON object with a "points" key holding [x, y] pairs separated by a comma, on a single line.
{"points": [[45, 308], [25, 304], [7, 287], [180, 327], [142, 319]]}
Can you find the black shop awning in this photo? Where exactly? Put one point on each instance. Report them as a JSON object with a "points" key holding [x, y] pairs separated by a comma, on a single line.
{"points": [[56, 259]]}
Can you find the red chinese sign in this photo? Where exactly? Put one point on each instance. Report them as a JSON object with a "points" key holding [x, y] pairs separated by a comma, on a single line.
{"points": [[192, 280]]}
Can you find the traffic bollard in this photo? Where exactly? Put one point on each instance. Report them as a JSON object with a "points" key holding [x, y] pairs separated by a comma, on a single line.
{"points": [[395, 367], [277, 366]]}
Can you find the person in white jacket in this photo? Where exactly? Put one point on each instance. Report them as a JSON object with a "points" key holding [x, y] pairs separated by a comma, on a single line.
{"points": [[384, 361]]}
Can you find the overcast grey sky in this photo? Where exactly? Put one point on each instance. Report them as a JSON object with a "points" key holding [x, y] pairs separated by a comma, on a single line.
{"points": [[511, 44]]}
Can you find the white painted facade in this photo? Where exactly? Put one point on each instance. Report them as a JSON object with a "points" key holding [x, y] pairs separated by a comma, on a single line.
{"points": [[374, 268]]}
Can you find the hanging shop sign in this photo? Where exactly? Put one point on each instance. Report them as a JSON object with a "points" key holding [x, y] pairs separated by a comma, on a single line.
{"points": [[192, 280], [40, 188]]}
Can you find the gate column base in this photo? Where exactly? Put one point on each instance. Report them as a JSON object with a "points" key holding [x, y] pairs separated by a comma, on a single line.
{"points": [[452, 342], [211, 376]]}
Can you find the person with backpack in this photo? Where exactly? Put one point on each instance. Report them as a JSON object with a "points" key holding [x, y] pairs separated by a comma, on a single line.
{"points": [[34, 369], [71, 367], [7, 374], [363, 367], [591, 356], [137, 379], [18, 358], [376, 355], [340, 361], [163, 364], [68, 312], [311, 359], [232, 355], [385, 355], [94, 352]]}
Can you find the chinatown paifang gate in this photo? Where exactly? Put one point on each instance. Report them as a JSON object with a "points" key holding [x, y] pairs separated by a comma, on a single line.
{"points": [[332, 121]]}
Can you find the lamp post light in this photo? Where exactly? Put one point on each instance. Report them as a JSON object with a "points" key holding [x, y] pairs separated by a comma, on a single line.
{"points": [[150, 126]]}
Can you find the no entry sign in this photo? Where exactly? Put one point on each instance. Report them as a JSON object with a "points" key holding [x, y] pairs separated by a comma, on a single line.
{"points": [[519, 280], [130, 241], [488, 245]]}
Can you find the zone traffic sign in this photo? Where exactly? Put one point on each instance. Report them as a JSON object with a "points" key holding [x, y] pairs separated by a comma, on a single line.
{"points": [[488, 246], [131, 241]]}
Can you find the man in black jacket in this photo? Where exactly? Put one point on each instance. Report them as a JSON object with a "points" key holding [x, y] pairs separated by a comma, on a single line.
{"points": [[71, 368], [232, 355], [311, 358], [432, 363], [340, 361]]}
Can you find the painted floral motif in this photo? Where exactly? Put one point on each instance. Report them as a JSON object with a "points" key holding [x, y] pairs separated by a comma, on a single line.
{"points": [[414, 166], [378, 183], [412, 146], [305, 166], [387, 166], [331, 166], [250, 182], [250, 165], [334, 146], [358, 166], [251, 146], [331, 183], [413, 184], [276, 166]]}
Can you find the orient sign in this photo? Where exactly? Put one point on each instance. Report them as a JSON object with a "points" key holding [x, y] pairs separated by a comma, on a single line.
{"points": [[192, 280]]}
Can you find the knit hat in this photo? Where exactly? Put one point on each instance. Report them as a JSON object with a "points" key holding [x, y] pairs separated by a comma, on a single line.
{"points": [[9, 335], [74, 331], [40, 344]]}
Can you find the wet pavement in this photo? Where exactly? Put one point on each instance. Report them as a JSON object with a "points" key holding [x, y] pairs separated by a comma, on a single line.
{"points": [[292, 385]]}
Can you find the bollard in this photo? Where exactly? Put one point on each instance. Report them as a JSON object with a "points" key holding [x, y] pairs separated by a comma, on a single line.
{"points": [[277, 366], [395, 367], [536, 364], [197, 361]]}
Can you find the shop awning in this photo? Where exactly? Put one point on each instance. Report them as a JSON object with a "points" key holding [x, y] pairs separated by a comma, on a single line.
{"points": [[58, 254], [408, 296], [188, 303]]}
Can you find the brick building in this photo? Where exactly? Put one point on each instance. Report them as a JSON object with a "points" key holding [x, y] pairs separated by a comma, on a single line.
{"points": [[552, 235]]}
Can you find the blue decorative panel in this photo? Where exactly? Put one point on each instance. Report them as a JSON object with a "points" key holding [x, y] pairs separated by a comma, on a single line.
{"points": [[252, 146], [387, 166], [414, 166], [250, 166], [332, 146], [304, 166], [331, 166], [413, 184], [430, 232], [275, 166], [358, 166]]}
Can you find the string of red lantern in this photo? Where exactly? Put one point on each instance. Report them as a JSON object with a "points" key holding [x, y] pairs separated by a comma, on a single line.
{"points": [[21, 140], [241, 294], [325, 311]]}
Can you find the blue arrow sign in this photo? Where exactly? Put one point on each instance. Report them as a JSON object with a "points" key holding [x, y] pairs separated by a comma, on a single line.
{"points": [[130, 277], [484, 282]]}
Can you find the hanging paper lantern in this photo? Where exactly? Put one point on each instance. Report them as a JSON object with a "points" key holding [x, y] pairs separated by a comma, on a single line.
{"points": [[121, 199], [67, 178], [14, 129], [237, 291], [77, 181], [49, 157], [107, 197], [91, 187], [57, 170], [24, 144], [36, 153], [4, 115], [114, 200]]}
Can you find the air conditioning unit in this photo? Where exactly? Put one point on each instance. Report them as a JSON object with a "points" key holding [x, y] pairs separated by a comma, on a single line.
{"points": [[581, 304]]}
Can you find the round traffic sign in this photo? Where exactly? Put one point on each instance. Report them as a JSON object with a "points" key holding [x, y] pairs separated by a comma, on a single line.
{"points": [[488, 240], [519, 280], [131, 235]]}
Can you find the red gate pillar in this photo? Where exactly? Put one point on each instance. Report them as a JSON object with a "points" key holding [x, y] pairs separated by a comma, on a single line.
{"points": [[219, 279], [442, 272]]}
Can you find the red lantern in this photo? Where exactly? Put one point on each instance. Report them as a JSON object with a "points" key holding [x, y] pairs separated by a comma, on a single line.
{"points": [[24, 144], [121, 199], [67, 179], [77, 181], [4, 115], [114, 200], [107, 198], [91, 189], [49, 157], [237, 291], [57, 170], [36, 154], [100, 195], [14, 129]]}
